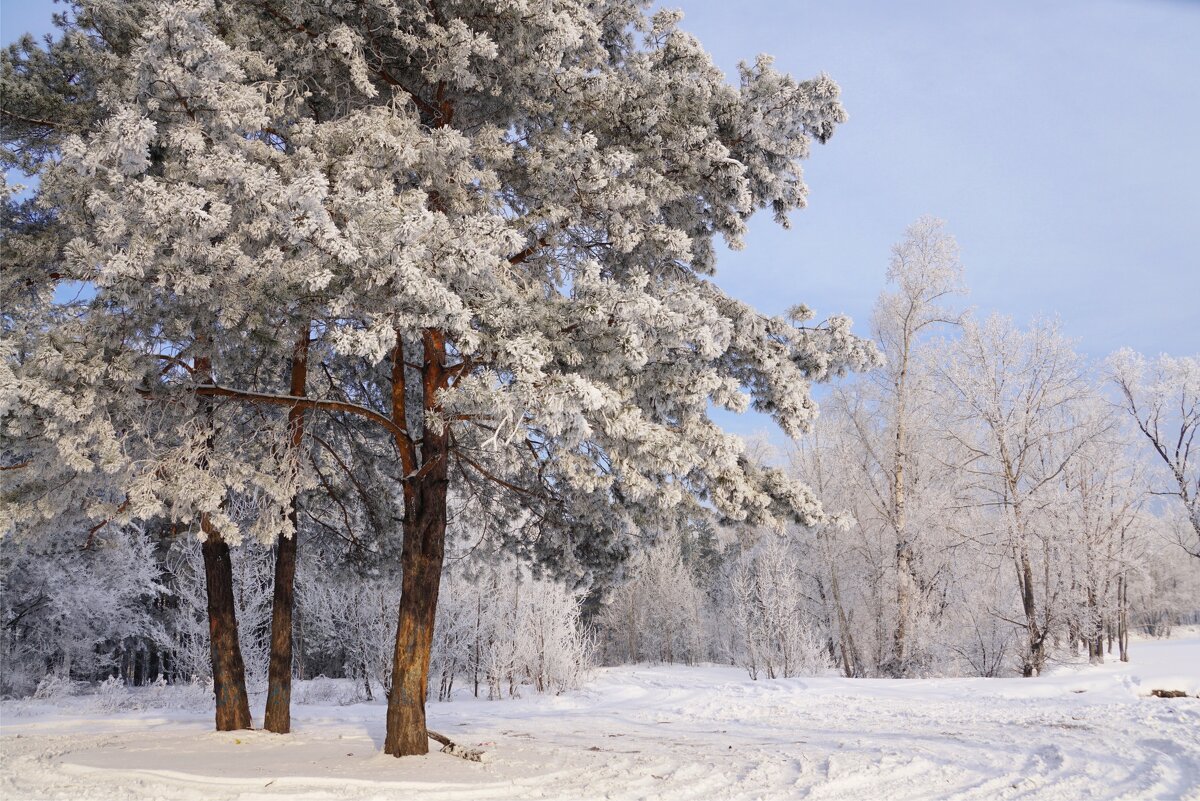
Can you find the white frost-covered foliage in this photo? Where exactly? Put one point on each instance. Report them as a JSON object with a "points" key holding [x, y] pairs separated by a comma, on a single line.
{"points": [[68, 610], [346, 623], [499, 629], [780, 636], [539, 184], [1162, 399], [658, 613]]}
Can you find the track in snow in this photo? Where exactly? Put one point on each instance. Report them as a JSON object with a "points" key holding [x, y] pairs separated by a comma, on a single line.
{"points": [[668, 733]]}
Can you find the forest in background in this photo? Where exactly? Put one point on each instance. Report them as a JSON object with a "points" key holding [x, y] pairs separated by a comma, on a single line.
{"points": [[380, 341], [999, 502]]}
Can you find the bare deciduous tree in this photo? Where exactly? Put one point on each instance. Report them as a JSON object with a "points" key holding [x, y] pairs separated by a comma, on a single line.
{"points": [[1163, 398]]}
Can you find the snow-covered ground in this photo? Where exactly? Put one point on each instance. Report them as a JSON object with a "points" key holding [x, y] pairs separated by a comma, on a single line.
{"points": [[662, 733]]}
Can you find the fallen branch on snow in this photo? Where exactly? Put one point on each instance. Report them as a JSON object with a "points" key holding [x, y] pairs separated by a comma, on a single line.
{"points": [[453, 748]]}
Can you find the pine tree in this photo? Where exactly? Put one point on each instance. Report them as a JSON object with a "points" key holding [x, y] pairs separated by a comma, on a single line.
{"points": [[498, 223]]}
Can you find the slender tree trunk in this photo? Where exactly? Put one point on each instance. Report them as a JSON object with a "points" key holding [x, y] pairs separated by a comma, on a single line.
{"points": [[905, 590], [851, 664], [476, 655], [1035, 657], [229, 673], [1123, 617], [279, 681], [905, 583], [1096, 635]]}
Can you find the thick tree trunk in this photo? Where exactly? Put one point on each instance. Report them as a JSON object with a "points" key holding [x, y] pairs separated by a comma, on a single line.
{"points": [[279, 680], [425, 485], [424, 542], [229, 673], [278, 716]]}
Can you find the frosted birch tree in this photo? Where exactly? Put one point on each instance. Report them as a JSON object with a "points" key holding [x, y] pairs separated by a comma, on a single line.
{"points": [[1016, 416], [496, 223], [1162, 397], [1104, 491], [925, 274]]}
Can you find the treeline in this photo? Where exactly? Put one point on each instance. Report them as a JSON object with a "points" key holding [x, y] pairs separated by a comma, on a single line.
{"points": [[132, 607], [996, 501]]}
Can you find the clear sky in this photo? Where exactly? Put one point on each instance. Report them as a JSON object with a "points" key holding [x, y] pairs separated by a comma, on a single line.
{"points": [[1060, 139]]}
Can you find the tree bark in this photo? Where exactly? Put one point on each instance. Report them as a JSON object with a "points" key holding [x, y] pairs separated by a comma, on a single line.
{"points": [[278, 716], [425, 486], [1035, 656], [1123, 617], [851, 664], [421, 559], [905, 583], [229, 673]]}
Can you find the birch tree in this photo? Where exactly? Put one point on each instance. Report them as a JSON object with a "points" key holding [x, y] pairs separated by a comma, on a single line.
{"points": [[926, 273], [1162, 397], [1019, 424], [1104, 494]]}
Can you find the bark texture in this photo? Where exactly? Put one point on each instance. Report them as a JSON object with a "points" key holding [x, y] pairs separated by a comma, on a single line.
{"points": [[278, 716], [229, 673], [424, 544], [425, 485]]}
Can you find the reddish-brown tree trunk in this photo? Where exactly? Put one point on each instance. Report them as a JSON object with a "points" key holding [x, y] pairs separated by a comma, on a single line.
{"points": [[425, 488], [229, 673], [278, 716], [421, 559]]}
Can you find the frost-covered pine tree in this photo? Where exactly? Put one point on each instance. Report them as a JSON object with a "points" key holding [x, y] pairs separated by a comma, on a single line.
{"points": [[496, 221]]}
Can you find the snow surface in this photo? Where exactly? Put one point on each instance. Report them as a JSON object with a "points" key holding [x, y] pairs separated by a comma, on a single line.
{"points": [[667, 732]]}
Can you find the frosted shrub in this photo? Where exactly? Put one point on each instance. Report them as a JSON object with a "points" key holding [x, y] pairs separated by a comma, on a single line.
{"points": [[54, 686], [110, 694], [324, 691], [779, 637], [658, 613], [502, 629]]}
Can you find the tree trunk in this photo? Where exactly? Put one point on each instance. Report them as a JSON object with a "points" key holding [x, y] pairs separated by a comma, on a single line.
{"points": [[421, 560], [851, 664], [425, 485], [1123, 617], [1035, 655], [905, 590], [279, 681], [229, 673], [278, 716], [905, 579]]}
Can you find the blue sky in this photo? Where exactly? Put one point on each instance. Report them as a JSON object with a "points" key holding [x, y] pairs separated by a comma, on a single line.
{"points": [[1060, 140]]}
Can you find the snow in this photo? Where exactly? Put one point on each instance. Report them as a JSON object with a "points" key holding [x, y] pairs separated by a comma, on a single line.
{"points": [[665, 732]]}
